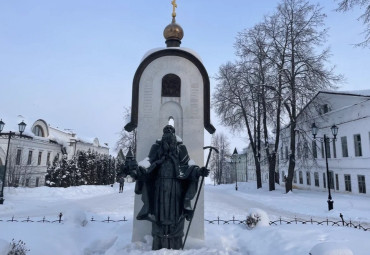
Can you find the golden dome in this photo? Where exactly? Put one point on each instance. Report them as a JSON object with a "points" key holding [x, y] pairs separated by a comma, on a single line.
{"points": [[173, 34]]}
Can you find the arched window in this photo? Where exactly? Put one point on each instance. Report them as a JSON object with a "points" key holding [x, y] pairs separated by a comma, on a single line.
{"points": [[171, 85], [38, 131]]}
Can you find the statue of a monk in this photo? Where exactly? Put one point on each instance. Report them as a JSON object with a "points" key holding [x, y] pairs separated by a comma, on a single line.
{"points": [[167, 187]]}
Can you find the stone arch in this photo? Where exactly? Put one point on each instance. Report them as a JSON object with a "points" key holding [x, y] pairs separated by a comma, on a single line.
{"points": [[162, 53], [172, 110]]}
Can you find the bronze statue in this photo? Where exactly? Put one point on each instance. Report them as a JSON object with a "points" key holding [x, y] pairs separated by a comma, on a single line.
{"points": [[167, 187]]}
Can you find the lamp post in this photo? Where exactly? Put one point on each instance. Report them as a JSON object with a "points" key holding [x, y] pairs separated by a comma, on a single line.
{"points": [[326, 140], [10, 134], [235, 154]]}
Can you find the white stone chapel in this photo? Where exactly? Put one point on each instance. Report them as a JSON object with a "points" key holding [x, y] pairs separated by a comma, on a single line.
{"points": [[171, 83]]}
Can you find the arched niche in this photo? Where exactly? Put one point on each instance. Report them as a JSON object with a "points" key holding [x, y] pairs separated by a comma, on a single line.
{"points": [[40, 128], [171, 85], [172, 110]]}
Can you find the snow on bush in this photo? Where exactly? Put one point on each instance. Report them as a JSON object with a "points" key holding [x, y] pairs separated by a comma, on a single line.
{"points": [[330, 248], [17, 248], [76, 217], [257, 217]]}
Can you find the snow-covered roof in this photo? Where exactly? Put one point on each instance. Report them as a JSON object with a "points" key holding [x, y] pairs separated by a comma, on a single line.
{"points": [[195, 54], [364, 93], [62, 137]]}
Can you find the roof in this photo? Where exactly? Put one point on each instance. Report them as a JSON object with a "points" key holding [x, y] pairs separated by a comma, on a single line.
{"points": [[192, 52]]}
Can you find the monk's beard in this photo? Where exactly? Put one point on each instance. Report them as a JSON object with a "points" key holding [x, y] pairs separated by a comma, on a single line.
{"points": [[168, 146]]}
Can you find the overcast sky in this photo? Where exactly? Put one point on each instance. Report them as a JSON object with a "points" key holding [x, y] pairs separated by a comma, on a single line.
{"points": [[72, 62]]}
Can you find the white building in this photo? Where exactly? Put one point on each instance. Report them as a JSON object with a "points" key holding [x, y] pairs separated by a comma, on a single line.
{"points": [[240, 165], [348, 155], [31, 153], [251, 166]]}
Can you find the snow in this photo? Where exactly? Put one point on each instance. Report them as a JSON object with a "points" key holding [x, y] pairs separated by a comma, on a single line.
{"points": [[330, 248], [150, 52], [144, 163], [77, 234]]}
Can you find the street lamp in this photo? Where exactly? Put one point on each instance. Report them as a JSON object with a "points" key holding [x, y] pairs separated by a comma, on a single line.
{"points": [[235, 154], [10, 134], [326, 140]]}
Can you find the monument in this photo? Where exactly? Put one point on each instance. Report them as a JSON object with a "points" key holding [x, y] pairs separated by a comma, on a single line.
{"points": [[171, 84], [167, 184]]}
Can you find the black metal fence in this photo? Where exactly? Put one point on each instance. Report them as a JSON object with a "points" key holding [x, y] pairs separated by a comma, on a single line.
{"points": [[324, 222], [60, 220], [248, 221]]}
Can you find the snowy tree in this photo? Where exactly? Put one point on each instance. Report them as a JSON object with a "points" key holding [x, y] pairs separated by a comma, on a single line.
{"points": [[220, 162], [127, 139], [346, 5]]}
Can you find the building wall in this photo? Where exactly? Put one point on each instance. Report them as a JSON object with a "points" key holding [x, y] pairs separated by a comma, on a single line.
{"points": [[352, 115], [31, 173]]}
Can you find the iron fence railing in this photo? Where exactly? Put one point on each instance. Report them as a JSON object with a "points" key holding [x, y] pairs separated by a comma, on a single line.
{"points": [[280, 221], [248, 221], [60, 219]]}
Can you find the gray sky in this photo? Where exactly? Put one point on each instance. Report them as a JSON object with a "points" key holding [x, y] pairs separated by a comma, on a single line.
{"points": [[72, 62]]}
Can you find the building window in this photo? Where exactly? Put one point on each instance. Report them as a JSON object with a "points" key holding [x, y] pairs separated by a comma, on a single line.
{"points": [[305, 149], [347, 182], [361, 184], [29, 160], [343, 140], [308, 177], [281, 153], [27, 182], [18, 158], [334, 148], [286, 152], [327, 148], [48, 159], [325, 108], [357, 141], [324, 180], [314, 149], [171, 85], [37, 181], [331, 179], [295, 177], [39, 131], [317, 182], [322, 150], [336, 182], [300, 177], [39, 158]]}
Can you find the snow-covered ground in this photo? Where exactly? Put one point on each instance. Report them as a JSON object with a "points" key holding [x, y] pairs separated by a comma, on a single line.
{"points": [[78, 235]]}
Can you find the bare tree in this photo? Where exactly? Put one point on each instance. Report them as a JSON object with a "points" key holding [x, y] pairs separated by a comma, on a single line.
{"points": [[346, 5], [126, 139], [305, 69], [235, 102], [219, 162], [255, 47]]}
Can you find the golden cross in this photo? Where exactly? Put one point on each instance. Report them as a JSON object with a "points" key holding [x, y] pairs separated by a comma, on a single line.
{"points": [[174, 8]]}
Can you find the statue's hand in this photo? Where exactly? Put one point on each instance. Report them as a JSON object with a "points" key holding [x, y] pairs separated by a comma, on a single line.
{"points": [[204, 172], [189, 215]]}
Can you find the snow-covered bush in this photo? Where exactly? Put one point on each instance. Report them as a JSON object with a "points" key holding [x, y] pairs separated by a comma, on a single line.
{"points": [[17, 248], [76, 218], [257, 217]]}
